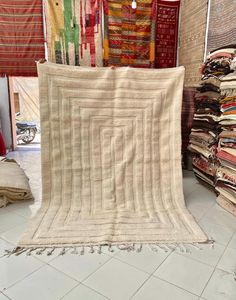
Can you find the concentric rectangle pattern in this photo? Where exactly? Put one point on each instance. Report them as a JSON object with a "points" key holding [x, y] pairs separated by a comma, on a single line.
{"points": [[111, 163]]}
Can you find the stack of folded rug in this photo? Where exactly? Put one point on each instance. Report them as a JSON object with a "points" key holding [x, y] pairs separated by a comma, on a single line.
{"points": [[204, 134], [205, 131], [14, 184], [188, 110], [226, 173]]}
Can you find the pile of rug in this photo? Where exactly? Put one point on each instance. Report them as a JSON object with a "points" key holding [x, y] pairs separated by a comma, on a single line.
{"points": [[188, 110], [205, 131], [111, 160], [204, 134], [213, 136], [226, 173], [14, 185]]}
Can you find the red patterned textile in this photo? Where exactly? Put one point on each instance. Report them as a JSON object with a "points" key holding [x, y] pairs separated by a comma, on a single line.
{"points": [[21, 37], [167, 33], [2, 146]]}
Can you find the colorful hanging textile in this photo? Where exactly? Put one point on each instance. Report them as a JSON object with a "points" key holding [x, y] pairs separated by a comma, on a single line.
{"points": [[192, 38], [74, 32], [222, 27], [129, 34], [167, 33], [21, 37]]}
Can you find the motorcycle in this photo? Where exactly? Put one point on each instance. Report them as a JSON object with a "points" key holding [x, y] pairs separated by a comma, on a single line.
{"points": [[25, 131]]}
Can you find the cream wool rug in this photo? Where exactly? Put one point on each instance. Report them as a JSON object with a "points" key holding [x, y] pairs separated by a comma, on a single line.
{"points": [[111, 162]]}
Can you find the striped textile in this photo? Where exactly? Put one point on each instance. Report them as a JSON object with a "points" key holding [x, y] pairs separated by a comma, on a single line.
{"points": [[129, 37], [167, 33], [21, 37], [192, 38]]}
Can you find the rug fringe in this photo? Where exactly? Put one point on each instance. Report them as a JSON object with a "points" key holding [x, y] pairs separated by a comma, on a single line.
{"points": [[81, 250]]}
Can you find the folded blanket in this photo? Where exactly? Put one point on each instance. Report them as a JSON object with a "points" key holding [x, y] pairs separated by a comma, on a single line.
{"points": [[212, 80], [200, 150], [203, 136], [227, 134], [225, 203], [14, 185], [204, 165], [204, 177], [225, 155]]}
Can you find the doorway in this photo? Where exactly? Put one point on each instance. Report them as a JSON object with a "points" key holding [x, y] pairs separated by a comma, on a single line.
{"points": [[25, 115]]}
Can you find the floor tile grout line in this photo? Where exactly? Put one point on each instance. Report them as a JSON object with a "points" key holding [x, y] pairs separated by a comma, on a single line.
{"points": [[207, 212], [70, 291], [5, 296], [195, 259], [137, 268], [5, 240], [10, 242], [214, 223], [150, 276], [29, 274], [140, 287], [62, 272], [217, 265], [226, 227], [95, 291], [97, 269], [73, 278], [181, 288], [204, 214], [1, 232]]}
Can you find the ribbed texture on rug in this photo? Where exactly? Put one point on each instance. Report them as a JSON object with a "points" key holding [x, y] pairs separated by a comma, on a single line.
{"points": [[222, 27], [111, 163], [193, 19]]}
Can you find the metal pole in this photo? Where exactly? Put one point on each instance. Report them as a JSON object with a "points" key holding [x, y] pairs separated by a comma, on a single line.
{"points": [[207, 28]]}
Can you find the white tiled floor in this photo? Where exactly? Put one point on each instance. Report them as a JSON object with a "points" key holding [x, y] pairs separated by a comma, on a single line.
{"points": [[206, 274]]}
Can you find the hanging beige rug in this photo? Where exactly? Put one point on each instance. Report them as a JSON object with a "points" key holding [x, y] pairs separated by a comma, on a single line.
{"points": [[111, 163]]}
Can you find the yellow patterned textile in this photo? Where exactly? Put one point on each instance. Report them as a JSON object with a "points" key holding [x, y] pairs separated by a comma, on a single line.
{"points": [[129, 37], [74, 32]]}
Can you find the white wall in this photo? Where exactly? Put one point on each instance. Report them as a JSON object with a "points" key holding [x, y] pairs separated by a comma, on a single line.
{"points": [[5, 112]]}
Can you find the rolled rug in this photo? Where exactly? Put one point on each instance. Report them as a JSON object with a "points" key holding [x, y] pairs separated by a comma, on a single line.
{"points": [[14, 184]]}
